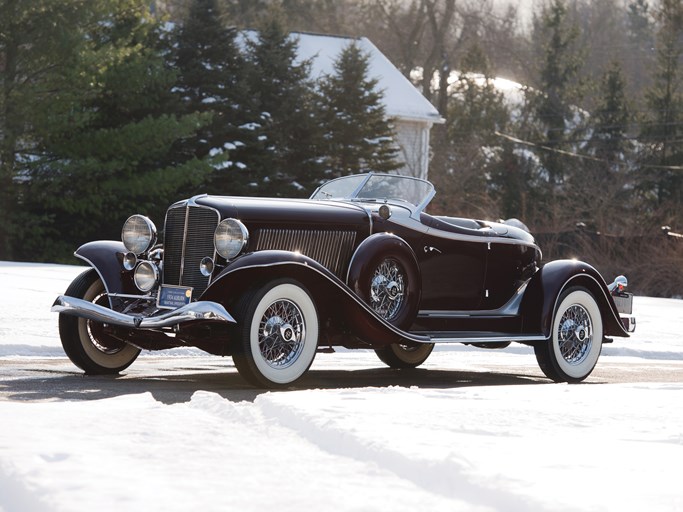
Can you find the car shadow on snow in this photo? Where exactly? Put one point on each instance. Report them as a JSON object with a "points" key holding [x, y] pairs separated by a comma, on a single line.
{"points": [[47, 380]]}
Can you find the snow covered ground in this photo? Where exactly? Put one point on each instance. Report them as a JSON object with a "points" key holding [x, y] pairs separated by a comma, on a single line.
{"points": [[589, 447]]}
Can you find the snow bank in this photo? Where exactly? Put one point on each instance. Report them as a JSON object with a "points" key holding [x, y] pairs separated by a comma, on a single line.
{"points": [[542, 447], [517, 448]]}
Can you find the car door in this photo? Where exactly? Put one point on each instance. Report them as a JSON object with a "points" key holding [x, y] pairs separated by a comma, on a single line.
{"points": [[453, 269], [510, 264]]}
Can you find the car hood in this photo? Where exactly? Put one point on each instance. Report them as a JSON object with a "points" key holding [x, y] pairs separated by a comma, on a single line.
{"points": [[287, 212]]}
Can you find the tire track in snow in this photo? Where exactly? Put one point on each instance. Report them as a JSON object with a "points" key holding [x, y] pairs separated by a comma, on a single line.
{"points": [[448, 477], [361, 485]]}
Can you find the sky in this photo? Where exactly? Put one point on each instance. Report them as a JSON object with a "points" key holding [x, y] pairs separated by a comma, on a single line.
{"points": [[532, 447]]}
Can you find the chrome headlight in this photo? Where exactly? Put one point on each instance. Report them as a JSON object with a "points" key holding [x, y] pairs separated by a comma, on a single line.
{"points": [[146, 276], [139, 234], [230, 237], [129, 261]]}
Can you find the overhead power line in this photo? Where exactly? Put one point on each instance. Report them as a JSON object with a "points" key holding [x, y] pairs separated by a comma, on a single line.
{"points": [[584, 157]]}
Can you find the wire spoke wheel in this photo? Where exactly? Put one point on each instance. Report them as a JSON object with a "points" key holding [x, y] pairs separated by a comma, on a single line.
{"points": [[575, 334], [278, 332], [281, 333], [389, 295], [87, 342], [387, 289], [575, 344]]}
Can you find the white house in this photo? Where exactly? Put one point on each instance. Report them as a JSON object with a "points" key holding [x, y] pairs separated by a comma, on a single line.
{"points": [[412, 113]]}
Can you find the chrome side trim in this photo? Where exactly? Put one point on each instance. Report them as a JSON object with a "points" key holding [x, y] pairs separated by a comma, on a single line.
{"points": [[415, 337], [202, 310], [371, 224], [104, 283], [436, 338], [485, 238]]}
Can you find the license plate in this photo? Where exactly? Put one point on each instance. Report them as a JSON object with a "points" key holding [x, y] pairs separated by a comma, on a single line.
{"points": [[173, 297], [624, 303]]}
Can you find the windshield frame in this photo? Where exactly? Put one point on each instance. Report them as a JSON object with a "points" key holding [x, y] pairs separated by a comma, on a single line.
{"points": [[415, 209]]}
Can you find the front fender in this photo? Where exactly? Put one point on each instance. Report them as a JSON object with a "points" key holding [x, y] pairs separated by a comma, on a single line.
{"points": [[546, 286], [337, 304], [106, 257], [255, 269]]}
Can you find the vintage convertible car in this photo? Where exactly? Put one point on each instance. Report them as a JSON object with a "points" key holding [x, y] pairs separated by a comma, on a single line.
{"points": [[359, 264]]}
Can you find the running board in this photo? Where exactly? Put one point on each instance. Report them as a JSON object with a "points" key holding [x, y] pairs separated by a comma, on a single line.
{"points": [[470, 337]]}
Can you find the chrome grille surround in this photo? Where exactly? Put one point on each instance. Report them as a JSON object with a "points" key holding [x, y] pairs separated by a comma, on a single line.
{"points": [[332, 249], [188, 237]]}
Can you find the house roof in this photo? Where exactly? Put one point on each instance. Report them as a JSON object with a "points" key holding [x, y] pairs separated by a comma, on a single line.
{"points": [[401, 98]]}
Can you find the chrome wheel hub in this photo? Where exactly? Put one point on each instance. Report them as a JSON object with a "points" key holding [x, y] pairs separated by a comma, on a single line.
{"points": [[281, 334], [575, 334]]}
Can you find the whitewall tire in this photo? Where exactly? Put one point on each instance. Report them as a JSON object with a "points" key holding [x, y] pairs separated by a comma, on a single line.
{"points": [[85, 341], [576, 339], [278, 330]]}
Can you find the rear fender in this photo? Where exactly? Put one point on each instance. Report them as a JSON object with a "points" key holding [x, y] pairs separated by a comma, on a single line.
{"points": [[334, 300], [546, 286], [106, 257]]}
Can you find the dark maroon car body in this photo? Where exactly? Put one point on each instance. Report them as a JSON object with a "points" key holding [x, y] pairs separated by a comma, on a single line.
{"points": [[381, 273]]}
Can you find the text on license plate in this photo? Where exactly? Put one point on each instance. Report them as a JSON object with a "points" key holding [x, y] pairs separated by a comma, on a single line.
{"points": [[174, 296]]}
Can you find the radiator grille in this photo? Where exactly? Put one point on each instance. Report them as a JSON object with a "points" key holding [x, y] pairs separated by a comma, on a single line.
{"points": [[185, 248], [332, 249]]}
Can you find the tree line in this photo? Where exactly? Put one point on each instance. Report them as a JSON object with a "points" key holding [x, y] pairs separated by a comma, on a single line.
{"points": [[587, 151], [107, 109], [120, 107]]}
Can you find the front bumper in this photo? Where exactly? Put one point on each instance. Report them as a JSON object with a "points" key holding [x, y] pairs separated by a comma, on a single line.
{"points": [[628, 321], [201, 310]]}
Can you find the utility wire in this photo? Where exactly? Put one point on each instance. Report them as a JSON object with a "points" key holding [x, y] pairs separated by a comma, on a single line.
{"points": [[584, 157]]}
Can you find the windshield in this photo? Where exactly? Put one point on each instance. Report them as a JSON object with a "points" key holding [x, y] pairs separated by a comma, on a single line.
{"points": [[377, 187]]}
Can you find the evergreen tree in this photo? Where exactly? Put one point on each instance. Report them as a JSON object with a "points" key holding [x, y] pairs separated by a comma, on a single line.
{"points": [[610, 121], [601, 195], [639, 21], [107, 153], [555, 100], [514, 185], [36, 58], [211, 80], [285, 162], [358, 136], [640, 38], [476, 108], [551, 118], [476, 111], [662, 130]]}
